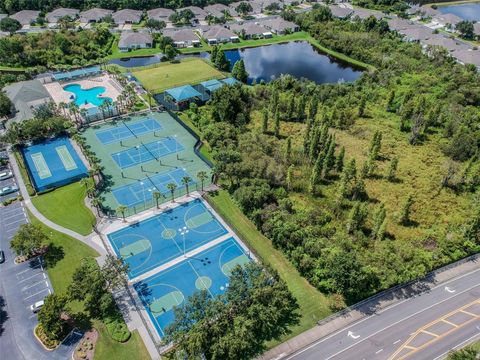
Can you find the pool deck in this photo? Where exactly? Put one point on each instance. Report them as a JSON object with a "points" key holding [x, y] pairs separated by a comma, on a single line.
{"points": [[59, 95]]}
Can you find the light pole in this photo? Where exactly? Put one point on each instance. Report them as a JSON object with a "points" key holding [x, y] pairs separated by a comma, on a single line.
{"points": [[183, 231], [176, 146]]}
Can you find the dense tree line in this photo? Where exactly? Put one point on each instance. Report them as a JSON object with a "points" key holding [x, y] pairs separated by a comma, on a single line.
{"points": [[11, 6], [255, 308], [53, 49], [308, 194]]}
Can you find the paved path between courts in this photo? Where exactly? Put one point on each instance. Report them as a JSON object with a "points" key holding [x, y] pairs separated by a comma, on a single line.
{"points": [[88, 240]]}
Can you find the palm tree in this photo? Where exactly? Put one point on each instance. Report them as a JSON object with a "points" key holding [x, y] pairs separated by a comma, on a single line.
{"points": [[185, 181], [97, 203], [85, 182], [73, 109], [83, 115], [202, 176], [172, 187], [122, 209], [90, 190], [150, 98], [63, 106], [108, 105], [157, 195]]}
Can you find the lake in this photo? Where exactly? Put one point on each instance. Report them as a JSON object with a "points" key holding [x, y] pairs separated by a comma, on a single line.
{"points": [[299, 59], [136, 61], [470, 12]]}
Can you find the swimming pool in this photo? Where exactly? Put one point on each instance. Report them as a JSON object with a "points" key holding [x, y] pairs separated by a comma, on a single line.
{"points": [[86, 96]]}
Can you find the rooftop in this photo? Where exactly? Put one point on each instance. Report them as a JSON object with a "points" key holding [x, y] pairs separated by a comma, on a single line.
{"points": [[127, 15], [182, 93], [134, 38], [25, 17], [55, 15], [219, 32], [25, 96]]}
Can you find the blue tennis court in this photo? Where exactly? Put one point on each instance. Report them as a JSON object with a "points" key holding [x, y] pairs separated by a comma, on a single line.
{"points": [[124, 130], [141, 191], [147, 152], [53, 163], [210, 270], [166, 236]]}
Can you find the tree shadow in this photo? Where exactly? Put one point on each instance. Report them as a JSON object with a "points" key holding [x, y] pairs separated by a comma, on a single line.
{"points": [[82, 321], [3, 314], [53, 255]]}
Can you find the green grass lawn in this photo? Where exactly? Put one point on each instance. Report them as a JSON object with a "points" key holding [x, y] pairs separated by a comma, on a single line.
{"points": [[107, 349], [64, 256], [313, 305], [65, 206], [167, 75]]}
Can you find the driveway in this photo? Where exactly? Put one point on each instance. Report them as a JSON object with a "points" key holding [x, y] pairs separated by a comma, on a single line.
{"points": [[21, 286]]}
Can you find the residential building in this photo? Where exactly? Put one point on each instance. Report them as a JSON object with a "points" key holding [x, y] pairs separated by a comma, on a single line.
{"points": [[127, 16], [94, 15], [134, 40], [340, 12], [250, 30], [26, 17], [219, 10], [199, 13], [182, 38], [219, 34], [468, 57], [280, 26], [400, 24], [447, 43], [447, 20], [26, 96], [53, 16], [417, 33], [366, 13], [160, 14]]}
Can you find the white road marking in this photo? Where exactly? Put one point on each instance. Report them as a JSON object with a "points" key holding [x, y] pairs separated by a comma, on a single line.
{"points": [[352, 335], [401, 320], [447, 289], [35, 284], [28, 297], [396, 342], [376, 314], [379, 351], [469, 340], [39, 273]]}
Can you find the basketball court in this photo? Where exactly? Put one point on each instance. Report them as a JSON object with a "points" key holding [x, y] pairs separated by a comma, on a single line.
{"points": [[209, 270]]}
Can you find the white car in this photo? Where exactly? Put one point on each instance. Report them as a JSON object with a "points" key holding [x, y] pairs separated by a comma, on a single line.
{"points": [[37, 306], [6, 175], [8, 189]]}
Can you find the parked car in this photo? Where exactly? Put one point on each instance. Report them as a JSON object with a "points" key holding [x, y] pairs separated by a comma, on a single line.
{"points": [[6, 175], [37, 306], [2, 257], [8, 189]]}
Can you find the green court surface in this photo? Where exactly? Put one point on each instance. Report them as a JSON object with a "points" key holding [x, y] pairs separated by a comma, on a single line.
{"points": [[66, 158], [166, 302], [199, 220], [41, 166], [135, 185], [135, 248]]}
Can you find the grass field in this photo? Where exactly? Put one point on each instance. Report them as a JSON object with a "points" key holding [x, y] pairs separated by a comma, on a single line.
{"points": [[65, 206], [107, 349], [64, 256], [168, 75], [313, 305]]}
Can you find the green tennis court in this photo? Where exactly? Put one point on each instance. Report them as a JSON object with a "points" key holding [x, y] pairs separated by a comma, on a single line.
{"points": [[66, 158], [41, 165]]}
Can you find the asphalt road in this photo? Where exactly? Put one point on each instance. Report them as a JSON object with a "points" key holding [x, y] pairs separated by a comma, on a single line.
{"points": [[426, 326], [21, 285]]}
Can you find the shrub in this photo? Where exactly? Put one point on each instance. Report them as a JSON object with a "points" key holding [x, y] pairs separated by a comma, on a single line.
{"points": [[117, 329]]}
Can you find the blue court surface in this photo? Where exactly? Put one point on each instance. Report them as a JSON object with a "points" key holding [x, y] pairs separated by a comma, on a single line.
{"points": [[53, 163], [124, 130], [147, 152], [166, 236], [208, 270], [141, 192]]}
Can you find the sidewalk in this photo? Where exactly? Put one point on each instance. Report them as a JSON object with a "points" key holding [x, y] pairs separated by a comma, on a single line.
{"points": [[371, 306], [88, 240]]}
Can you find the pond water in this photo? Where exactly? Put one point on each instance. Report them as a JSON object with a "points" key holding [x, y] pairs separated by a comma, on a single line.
{"points": [[470, 12], [299, 59], [136, 61]]}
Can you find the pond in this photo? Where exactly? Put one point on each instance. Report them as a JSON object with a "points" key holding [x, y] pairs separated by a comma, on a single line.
{"points": [[470, 12], [299, 59], [137, 61]]}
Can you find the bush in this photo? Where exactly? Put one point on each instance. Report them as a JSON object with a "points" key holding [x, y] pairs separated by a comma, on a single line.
{"points": [[117, 329]]}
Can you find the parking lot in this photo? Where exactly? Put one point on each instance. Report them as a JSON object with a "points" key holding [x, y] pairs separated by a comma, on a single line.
{"points": [[7, 182], [22, 285]]}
